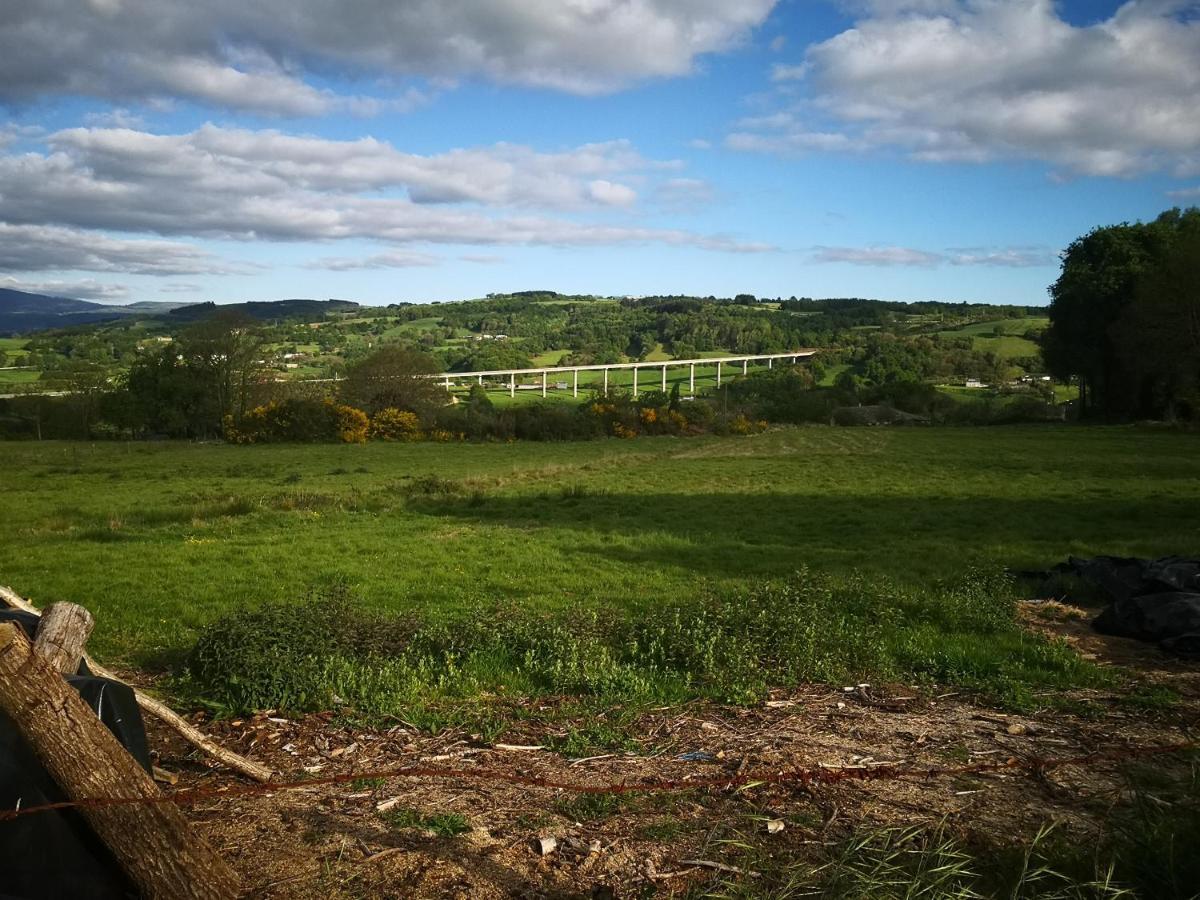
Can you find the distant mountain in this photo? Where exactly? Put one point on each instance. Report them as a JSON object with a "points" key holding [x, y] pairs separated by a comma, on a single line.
{"points": [[22, 312], [265, 310]]}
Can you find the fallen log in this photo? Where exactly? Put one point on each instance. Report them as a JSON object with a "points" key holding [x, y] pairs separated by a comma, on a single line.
{"points": [[159, 709], [62, 634], [152, 841]]}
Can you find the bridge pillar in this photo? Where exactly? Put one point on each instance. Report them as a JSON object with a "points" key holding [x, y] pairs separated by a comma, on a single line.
{"points": [[692, 380], [635, 381], [745, 366], [543, 382], [575, 383], [718, 373], [447, 382], [481, 381], [512, 385], [606, 382], [664, 389]]}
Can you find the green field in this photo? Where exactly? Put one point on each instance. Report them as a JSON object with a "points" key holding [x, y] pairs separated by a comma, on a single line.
{"points": [[19, 376], [1010, 344], [159, 539]]}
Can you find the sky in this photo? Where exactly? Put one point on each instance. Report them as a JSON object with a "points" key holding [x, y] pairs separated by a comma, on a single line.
{"points": [[415, 150]]}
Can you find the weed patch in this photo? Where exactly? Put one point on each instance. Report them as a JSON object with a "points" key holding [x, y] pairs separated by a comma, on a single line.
{"points": [[730, 647]]}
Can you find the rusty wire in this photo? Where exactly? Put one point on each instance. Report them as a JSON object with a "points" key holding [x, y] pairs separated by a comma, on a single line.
{"points": [[799, 776]]}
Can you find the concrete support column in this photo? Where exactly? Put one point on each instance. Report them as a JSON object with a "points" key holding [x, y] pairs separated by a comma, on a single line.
{"points": [[543, 382], [606, 382], [512, 385], [718, 373], [447, 382], [692, 380], [575, 383], [770, 363], [635, 381], [481, 381], [745, 366], [664, 379]]}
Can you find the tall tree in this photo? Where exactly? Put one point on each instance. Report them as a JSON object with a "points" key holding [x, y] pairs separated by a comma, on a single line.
{"points": [[1098, 284], [1160, 334], [393, 377]]}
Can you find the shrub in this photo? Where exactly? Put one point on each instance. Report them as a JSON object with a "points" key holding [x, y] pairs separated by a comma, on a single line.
{"points": [[393, 424], [298, 420]]}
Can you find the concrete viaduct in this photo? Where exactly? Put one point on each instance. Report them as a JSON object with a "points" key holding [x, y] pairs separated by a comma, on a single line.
{"points": [[510, 375]]}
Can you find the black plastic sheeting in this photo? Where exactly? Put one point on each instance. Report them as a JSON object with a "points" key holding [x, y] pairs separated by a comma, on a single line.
{"points": [[55, 855], [1155, 600]]}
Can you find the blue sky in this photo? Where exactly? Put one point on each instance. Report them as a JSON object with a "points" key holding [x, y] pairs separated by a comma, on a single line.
{"points": [[444, 149]]}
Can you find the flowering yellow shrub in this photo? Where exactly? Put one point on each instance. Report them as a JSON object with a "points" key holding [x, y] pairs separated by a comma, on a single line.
{"points": [[395, 425], [352, 424]]}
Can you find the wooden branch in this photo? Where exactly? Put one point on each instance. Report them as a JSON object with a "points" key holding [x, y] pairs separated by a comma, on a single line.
{"points": [[152, 841], [189, 732], [62, 634]]}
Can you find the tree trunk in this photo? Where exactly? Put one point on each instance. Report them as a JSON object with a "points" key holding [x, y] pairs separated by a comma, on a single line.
{"points": [[157, 708], [62, 634], [152, 841]]}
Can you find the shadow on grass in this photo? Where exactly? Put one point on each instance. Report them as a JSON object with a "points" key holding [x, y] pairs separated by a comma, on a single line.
{"points": [[735, 534]]}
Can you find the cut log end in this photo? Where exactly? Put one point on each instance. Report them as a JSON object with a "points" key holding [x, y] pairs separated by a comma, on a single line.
{"points": [[62, 635]]}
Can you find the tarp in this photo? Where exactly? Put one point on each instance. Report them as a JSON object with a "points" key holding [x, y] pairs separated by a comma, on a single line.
{"points": [[55, 855]]}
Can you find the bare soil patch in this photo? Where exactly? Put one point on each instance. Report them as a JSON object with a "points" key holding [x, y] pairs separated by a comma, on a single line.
{"points": [[332, 841]]}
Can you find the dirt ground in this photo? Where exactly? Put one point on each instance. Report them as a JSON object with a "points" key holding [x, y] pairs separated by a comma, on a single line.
{"points": [[333, 841]]}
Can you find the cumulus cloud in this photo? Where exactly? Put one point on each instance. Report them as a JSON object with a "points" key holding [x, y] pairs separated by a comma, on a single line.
{"points": [[978, 80], [1188, 193], [61, 204], [40, 248], [1009, 257], [257, 55], [269, 162]]}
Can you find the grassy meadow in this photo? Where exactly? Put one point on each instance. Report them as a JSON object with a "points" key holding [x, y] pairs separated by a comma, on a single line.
{"points": [[161, 539]]}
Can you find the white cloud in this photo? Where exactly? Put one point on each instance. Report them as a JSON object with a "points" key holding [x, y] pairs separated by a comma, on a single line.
{"points": [[40, 248], [876, 256], [244, 185], [1189, 193], [85, 289], [392, 259], [1006, 257], [257, 55], [978, 80], [610, 193]]}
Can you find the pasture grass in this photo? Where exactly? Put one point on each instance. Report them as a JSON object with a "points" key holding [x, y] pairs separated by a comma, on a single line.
{"points": [[159, 540]]}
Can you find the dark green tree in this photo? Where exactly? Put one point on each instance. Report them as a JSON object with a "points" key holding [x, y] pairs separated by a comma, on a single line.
{"points": [[1101, 272], [394, 377]]}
